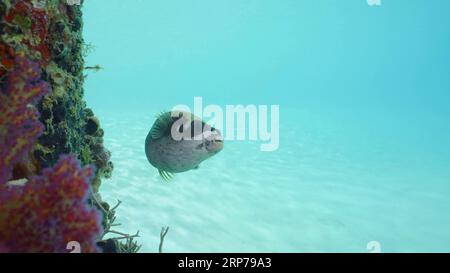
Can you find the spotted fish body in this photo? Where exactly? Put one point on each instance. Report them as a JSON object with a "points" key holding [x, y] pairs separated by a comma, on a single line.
{"points": [[170, 154]]}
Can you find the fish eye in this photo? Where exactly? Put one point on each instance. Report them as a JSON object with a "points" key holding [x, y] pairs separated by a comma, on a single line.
{"points": [[213, 129]]}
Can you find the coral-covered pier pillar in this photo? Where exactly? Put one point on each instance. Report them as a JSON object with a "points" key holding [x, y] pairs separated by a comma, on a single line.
{"points": [[52, 157], [49, 33]]}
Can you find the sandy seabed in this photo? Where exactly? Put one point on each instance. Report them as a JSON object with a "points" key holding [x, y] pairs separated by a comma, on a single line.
{"points": [[327, 189]]}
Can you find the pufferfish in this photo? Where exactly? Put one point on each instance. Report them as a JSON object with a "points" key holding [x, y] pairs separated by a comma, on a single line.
{"points": [[179, 141]]}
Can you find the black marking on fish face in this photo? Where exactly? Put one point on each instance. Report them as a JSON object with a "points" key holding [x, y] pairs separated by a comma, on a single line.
{"points": [[181, 129], [199, 146], [196, 129]]}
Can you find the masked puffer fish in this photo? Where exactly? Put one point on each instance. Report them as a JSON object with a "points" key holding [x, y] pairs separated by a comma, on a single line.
{"points": [[179, 141]]}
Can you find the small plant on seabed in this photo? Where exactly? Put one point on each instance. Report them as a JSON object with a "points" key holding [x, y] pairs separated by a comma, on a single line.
{"points": [[123, 242], [164, 231]]}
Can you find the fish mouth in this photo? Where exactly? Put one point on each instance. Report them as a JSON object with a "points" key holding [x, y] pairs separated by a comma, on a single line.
{"points": [[214, 146]]}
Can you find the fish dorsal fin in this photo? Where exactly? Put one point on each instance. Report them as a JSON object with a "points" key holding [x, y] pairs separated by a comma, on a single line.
{"points": [[163, 123], [165, 120]]}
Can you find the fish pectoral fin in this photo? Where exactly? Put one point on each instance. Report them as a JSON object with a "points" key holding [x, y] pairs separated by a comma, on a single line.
{"points": [[165, 175]]}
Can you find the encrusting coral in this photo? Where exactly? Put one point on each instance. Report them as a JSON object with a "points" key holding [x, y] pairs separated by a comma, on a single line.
{"points": [[50, 33]]}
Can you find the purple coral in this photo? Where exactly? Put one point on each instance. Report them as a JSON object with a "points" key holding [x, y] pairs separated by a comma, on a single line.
{"points": [[50, 211], [19, 120]]}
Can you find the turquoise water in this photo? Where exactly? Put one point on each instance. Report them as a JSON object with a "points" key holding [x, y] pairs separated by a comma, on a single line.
{"points": [[363, 91]]}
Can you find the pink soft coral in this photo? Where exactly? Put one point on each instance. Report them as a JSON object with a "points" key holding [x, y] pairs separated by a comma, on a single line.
{"points": [[50, 211], [19, 119]]}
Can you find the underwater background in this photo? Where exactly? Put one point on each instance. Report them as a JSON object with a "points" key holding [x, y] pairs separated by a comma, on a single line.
{"points": [[364, 95]]}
